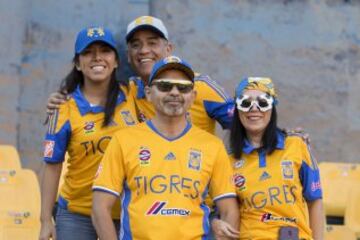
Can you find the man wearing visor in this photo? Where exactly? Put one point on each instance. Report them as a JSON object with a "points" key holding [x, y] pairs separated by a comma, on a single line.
{"points": [[163, 168]]}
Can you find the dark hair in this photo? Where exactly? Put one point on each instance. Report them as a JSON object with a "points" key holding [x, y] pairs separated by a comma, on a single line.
{"points": [[76, 77], [238, 134]]}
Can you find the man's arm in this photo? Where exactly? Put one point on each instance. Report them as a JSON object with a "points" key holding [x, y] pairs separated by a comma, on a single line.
{"points": [[316, 215], [101, 215], [229, 214]]}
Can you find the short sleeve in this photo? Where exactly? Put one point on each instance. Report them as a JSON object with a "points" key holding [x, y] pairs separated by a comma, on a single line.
{"points": [[57, 136], [310, 175], [110, 175], [217, 103], [221, 185]]}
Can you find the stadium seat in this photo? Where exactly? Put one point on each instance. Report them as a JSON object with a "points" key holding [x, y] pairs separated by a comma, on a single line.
{"points": [[20, 207], [9, 157], [338, 179], [352, 213], [337, 232]]}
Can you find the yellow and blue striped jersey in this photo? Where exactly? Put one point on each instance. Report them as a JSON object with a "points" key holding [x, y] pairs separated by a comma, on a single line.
{"points": [[163, 182], [211, 104], [273, 188], [76, 128]]}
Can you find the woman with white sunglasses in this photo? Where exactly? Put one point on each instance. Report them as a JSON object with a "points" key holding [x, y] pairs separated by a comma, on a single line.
{"points": [[276, 177]]}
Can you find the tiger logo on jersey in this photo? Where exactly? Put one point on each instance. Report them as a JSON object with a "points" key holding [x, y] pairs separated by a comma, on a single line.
{"points": [[194, 160], [287, 169], [128, 119]]}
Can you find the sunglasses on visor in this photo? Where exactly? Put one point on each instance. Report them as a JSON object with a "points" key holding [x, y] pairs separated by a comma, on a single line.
{"points": [[263, 102], [167, 84]]}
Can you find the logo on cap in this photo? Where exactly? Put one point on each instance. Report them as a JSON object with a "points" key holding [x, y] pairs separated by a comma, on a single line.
{"points": [[95, 32], [144, 20], [172, 59]]}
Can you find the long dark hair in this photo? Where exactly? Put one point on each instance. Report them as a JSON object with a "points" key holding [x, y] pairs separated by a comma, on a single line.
{"points": [[238, 134], [76, 77]]}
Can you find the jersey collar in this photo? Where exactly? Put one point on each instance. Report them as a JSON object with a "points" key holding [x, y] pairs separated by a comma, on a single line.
{"points": [[186, 129], [248, 148], [140, 88], [84, 106]]}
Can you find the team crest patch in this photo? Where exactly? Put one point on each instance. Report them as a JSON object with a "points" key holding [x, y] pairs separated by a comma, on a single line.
{"points": [[194, 160], [128, 119], [49, 148], [89, 127], [287, 169], [144, 156], [239, 181]]}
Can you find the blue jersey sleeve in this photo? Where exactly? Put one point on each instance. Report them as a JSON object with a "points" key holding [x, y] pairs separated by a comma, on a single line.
{"points": [[221, 111], [57, 138], [217, 103], [310, 176]]}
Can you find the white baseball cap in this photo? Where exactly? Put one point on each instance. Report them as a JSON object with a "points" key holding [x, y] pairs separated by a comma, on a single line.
{"points": [[147, 22]]}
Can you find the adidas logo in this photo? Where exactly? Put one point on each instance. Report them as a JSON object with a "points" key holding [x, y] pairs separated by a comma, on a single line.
{"points": [[264, 176], [170, 156]]}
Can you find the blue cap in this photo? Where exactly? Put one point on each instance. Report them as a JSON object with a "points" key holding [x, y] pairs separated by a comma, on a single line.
{"points": [[171, 62], [90, 35]]}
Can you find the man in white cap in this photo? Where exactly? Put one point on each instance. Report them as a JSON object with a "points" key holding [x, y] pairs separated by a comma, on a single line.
{"points": [[148, 41]]}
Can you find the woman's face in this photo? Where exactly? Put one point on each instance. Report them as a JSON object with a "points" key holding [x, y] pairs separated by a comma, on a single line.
{"points": [[97, 62], [254, 121]]}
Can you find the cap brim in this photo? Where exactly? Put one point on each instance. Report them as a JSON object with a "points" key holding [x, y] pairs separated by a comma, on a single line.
{"points": [[79, 51], [144, 27], [177, 66]]}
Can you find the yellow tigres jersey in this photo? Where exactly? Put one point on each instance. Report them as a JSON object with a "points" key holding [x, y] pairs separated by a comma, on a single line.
{"points": [[273, 189], [76, 128], [211, 104], [163, 182]]}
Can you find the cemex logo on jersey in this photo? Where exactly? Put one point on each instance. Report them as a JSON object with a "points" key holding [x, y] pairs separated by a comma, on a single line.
{"points": [[158, 209]]}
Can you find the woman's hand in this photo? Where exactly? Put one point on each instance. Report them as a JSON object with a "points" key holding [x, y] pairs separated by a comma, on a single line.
{"points": [[223, 230], [47, 231]]}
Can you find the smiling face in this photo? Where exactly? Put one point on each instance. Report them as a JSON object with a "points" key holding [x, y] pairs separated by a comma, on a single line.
{"points": [[144, 49], [97, 62], [254, 121], [171, 103]]}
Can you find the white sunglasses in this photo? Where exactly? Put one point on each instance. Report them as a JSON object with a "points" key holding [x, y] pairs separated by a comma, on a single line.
{"points": [[263, 102]]}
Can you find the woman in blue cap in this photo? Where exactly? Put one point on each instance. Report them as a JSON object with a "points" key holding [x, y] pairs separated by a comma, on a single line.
{"points": [[83, 127], [276, 177]]}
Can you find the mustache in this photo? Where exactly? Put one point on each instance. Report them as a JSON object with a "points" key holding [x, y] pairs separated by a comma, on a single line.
{"points": [[174, 99]]}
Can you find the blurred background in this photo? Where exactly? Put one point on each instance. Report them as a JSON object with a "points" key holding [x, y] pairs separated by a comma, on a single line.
{"points": [[310, 48]]}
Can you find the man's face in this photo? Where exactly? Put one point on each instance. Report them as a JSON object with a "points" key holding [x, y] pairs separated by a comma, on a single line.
{"points": [[144, 49], [174, 101]]}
